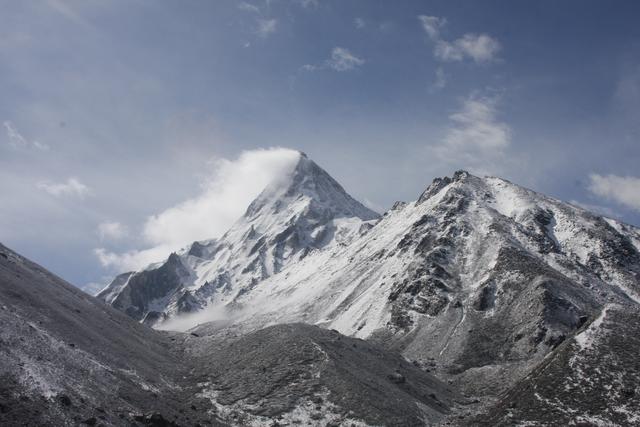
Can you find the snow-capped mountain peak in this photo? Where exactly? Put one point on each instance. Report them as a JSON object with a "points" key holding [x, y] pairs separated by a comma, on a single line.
{"points": [[312, 185], [303, 211]]}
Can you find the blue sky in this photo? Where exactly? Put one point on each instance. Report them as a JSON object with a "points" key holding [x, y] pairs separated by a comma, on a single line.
{"points": [[116, 112]]}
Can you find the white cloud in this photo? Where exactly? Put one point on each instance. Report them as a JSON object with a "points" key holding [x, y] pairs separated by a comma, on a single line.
{"points": [[224, 197], [621, 189], [111, 231], [432, 25], [475, 125], [266, 27], [72, 187], [16, 140], [248, 7], [133, 260], [359, 23], [476, 139], [479, 47], [343, 60]]}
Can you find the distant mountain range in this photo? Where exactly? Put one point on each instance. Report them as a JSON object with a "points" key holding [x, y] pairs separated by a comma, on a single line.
{"points": [[525, 309]]}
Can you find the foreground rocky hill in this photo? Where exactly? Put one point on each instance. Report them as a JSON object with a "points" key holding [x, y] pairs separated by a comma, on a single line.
{"points": [[66, 359]]}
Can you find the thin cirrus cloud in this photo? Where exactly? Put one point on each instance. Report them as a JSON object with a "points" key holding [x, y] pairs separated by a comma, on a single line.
{"points": [[17, 141], [341, 59], [481, 48], [223, 199], [71, 187], [476, 138], [264, 26], [624, 190], [248, 7]]}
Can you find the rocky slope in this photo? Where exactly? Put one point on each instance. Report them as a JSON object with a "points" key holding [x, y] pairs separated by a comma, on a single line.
{"points": [[66, 359], [592, 379]]}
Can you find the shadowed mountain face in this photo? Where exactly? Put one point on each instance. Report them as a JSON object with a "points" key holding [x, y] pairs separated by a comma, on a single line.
{"points": [[67, 359]]}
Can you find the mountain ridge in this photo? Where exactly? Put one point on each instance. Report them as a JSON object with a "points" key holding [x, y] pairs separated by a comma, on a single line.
{"points": [[477, 280]]}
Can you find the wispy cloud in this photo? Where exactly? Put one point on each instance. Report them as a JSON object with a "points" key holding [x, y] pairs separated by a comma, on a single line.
{"points": [[225, 196], [341, 59], [309, 3], [112, 230], [248, 7], [441, 79], [476, 139], [266, 27], [16, 140], [475, 125], [72, 187], [359, 23], [624, 190], [432, 25], [481, 48]]}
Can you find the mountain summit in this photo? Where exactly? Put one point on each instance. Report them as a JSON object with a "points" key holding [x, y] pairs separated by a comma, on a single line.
{"points": [[303, 211], [308, 184]]}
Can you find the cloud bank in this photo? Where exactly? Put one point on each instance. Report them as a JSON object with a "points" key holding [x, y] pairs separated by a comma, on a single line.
{"points": [[224, 197]]}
